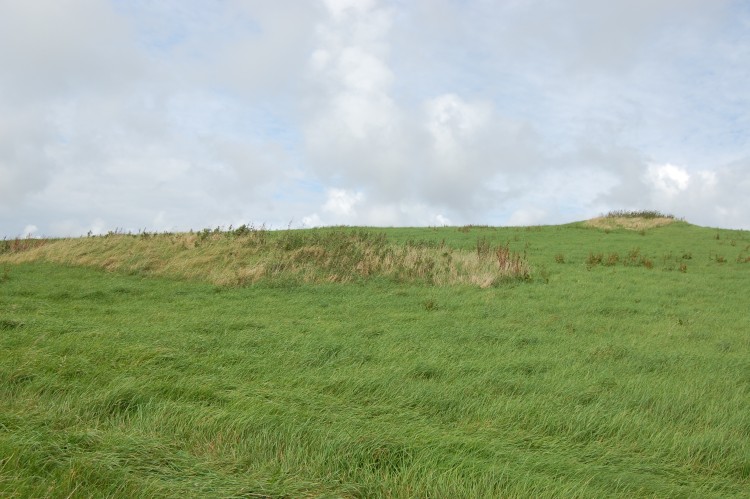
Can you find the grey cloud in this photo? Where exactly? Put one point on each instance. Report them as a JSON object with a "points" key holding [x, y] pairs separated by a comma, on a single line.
{"points": [[99, 118], [716, 196], [577, 34], [592, 91], [51, 55], [589, 34], [52, 49], [25, 158], [250, 48], [713, 197], [447, 152], [185, 113]]}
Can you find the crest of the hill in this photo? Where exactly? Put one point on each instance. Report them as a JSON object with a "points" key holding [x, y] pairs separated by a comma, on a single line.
{"points": [[631, 220]]}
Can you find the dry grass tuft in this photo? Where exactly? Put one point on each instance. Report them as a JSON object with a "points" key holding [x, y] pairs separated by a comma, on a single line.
{"points": [[629, 223], [243, 257]]}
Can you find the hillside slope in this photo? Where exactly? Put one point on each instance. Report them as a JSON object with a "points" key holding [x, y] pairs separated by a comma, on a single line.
{"points": [[617, 366]]}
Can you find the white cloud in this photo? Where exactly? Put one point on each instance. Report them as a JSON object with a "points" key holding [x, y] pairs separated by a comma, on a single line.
{"points": [[30, 230], [185, 114], [311, 221], [668, 179], [452, 122], [527, 216], [354, 130], [342, 203], [51, 48], [441, 220], [340, 8]]}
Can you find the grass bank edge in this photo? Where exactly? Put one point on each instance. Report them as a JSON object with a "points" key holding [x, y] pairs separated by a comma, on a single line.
{"points": [[248, 255]]}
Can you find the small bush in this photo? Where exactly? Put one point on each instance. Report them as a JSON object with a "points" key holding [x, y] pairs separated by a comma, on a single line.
{"points": [[560, 258], [594, 259], [510, 263], [634, 256]]}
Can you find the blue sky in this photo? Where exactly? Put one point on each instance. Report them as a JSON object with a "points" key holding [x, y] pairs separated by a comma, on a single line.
{"points": [[172, 115]]}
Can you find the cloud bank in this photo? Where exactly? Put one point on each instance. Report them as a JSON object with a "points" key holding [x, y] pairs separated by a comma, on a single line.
{"points": [[185, 114]]}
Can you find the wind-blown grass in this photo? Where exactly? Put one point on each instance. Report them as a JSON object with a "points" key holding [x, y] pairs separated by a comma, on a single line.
{"points": [[246, 256], [601, 380]]}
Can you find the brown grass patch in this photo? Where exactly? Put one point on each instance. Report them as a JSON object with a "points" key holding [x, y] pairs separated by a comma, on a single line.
{"points": [[241, 258], [629, 223]]}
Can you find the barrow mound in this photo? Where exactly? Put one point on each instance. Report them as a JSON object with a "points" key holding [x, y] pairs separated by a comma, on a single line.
{"points": [[629, 223]]}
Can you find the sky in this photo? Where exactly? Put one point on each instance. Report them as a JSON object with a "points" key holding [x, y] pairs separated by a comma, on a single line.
{"points": [[174, 115]]}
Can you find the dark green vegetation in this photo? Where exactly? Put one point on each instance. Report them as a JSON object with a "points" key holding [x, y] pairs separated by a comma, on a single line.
{"points": [[592, 377]]}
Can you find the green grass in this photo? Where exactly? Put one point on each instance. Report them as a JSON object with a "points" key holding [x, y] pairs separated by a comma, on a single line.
{"points": [[587, 379]]}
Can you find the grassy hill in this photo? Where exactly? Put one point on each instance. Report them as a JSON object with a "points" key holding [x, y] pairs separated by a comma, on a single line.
{"points": [[595, 359]]}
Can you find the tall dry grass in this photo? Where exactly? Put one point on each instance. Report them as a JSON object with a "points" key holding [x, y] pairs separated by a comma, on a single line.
{"points": [[248, 255], [629, 223]]}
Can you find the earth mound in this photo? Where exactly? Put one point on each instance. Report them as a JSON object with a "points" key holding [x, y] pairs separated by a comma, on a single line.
{"points": [[629, 223]]}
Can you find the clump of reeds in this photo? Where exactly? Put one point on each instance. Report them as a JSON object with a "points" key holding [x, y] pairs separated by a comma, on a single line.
{"points": [[18, 245]]}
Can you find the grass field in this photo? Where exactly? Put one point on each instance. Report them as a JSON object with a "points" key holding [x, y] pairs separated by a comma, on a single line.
{"points": [[599, 362]]}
